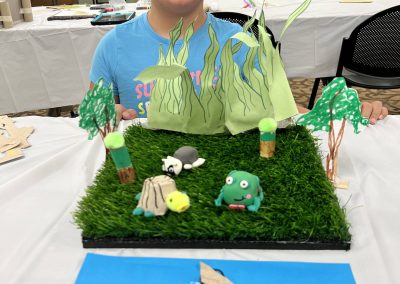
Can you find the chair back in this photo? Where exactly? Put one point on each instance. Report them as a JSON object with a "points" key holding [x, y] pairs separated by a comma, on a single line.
{"points": [[241, 19], [373, 47]]}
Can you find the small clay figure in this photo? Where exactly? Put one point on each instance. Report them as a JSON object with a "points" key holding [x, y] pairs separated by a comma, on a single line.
{"points": [[241, 190], [158, 195], [115, 142], [178, 201], [185, 157], [267, 127]]}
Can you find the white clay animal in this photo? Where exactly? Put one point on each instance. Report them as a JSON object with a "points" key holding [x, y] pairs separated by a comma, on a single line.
{"points": [[185, 157]]}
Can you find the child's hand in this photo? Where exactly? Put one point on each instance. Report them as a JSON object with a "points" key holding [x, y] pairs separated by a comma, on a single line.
{"points": [[123, 113], [373, 111]]}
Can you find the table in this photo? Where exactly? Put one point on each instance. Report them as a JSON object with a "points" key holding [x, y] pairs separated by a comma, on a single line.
{"points": [[46, 64], [40, 244]]}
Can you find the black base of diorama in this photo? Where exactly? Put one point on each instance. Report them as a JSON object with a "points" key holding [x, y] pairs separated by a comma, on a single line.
{"points": [[210, 244]]}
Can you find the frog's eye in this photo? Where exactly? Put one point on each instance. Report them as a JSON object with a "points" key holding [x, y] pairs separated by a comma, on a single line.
{"points": [[229, 180], [244, 184]]}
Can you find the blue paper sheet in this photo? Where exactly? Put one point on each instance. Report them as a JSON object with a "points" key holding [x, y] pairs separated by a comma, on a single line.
{"points": [[101, 269]]}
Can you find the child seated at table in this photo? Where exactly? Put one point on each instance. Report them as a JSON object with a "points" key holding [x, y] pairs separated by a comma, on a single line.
{"points": [[131, 47]]}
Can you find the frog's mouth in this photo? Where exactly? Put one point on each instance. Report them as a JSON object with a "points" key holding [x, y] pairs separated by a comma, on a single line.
{"points": [[243, 198]]}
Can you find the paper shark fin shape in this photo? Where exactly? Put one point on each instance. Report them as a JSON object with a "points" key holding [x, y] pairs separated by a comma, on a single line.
{"points": [[210, 276]]}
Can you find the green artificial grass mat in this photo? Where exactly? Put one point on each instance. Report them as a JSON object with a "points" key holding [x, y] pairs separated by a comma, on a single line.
{"points": [[299, 202]]}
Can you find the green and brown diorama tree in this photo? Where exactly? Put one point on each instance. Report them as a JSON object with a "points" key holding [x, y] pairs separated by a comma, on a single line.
{"points": [[338, 102], [97, 111], [98, 115]]}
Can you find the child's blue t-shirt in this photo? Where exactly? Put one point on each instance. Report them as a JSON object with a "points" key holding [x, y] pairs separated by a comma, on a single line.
{"points": [[131, 47]]}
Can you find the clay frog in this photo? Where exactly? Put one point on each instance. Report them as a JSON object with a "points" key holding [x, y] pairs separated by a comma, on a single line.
{"points": [[241, 190]]}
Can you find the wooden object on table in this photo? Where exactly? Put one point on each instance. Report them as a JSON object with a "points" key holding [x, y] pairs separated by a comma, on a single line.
{"points": [[12, 140], [115, 143], [267, 127], [210, 276], [267, 148], [11, 155], [27, 10], [22, 134], [15, 8], [6, 17], [8, 143]]}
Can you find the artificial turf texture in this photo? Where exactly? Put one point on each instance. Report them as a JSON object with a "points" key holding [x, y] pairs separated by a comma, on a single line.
{"points": [[299, 202]]}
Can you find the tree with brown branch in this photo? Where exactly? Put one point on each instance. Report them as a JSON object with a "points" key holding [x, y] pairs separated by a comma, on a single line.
{"points": [[338, 102], [97, 111]]}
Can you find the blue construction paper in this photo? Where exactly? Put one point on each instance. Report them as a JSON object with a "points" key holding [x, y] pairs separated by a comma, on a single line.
{"points": [[101, 269]]}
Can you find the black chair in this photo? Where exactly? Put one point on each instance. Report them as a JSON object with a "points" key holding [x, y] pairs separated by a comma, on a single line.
{"points": [[241, 19], [371, 55]]}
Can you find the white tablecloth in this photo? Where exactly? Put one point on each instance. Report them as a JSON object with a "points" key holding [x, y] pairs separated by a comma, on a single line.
{"points": [[46, 64], [40, 244]]}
